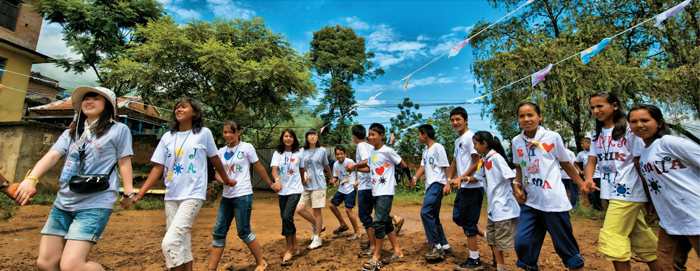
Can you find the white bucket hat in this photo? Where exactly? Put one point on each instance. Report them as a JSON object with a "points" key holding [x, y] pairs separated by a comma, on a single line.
{"points": [[79, 93]]}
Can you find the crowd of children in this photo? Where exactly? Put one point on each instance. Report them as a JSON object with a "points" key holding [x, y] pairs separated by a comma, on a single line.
{"points": [[644, 173]]}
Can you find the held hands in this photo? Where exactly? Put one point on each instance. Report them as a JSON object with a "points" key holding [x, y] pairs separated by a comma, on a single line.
{"points": [[456, 182], [412, 183], [333, 181], [651, 216], [232, 183], [305, 181], [520, 195], [276, 187], [25, 192], [357, 185], [447, 189], [350, 167], [127, 202]]}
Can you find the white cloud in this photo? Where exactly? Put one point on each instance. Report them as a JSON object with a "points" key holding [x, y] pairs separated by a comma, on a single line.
{"points": [[463, 28], [381, 114], [185, 14], [370, 88], [386, 60], [430, 81], [51, 44], [356, 23], [228, 9]]}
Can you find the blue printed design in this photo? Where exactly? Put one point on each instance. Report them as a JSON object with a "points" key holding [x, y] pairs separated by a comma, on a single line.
{"points": [[654, 186], [622, 190], [228, 155], [178, 169]]}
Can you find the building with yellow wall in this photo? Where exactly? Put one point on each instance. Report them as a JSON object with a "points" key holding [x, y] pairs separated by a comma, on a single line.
{"points": [[19, 34]]}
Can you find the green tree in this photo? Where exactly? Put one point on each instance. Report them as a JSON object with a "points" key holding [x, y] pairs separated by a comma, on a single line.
{"points": [[97, 30], [339, 53], [444, 133], [406, 141], [549, 31], [238, 70]]}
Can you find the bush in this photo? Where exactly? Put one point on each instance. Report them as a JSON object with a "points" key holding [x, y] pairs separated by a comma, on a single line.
{"points": [[8, 207], [581, 211]]}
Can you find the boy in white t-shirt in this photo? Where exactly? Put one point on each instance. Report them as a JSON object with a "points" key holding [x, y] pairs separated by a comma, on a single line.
{"points": [[433, 163], [346, 193], [582, 157], [381, 166]]}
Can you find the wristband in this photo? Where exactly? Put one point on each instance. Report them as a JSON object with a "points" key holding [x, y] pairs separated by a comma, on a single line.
{"points": [[140, 195], [518, 183], [468, 179], [32, 178]]}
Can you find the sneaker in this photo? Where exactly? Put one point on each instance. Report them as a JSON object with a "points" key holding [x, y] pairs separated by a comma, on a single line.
{"points": [[470, 264], [313, 231], [449, 252], [316, 243], [435, 254]]}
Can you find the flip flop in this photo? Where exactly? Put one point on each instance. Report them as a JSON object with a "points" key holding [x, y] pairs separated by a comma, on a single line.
{"points": [[371, 265], [340, 229], [367, 253], [398, 225], [353, 237], [364, 245], [287, 262], [393, 258]]}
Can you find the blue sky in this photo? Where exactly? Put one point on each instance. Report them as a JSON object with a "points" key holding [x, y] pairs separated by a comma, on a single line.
{"points": [[428, 28]]}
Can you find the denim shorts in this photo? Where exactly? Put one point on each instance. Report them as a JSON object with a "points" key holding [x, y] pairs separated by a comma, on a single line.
{"points": [[230, 208], [349, 199], [81, 225]]}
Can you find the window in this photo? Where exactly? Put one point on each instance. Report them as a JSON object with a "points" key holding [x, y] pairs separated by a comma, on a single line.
{"points": [[2, 67], [9, 11]]}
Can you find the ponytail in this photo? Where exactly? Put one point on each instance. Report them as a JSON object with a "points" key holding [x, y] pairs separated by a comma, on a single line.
{"points": [[493, 142]]}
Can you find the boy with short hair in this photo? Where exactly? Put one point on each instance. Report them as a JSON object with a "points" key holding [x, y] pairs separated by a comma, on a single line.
{"points": [[346, 193], [363, 184], [433, 163], [381, 166], [593, 197], [470, 196]]}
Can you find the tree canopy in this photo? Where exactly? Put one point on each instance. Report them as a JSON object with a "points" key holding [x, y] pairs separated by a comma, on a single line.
{"points": [[97, 30], [339, 53], [405, 141], [238, 70]]}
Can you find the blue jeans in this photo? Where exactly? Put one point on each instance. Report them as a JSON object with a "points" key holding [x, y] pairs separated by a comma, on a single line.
{"points": [[532, 228], [382, 223], [365, 205], [230, 208], [430, 215], [573, 190], [467, 209], [81, 225]]}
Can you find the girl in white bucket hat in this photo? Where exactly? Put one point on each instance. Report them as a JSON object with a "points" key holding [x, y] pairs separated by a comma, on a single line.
{"points": [[94, 145]]}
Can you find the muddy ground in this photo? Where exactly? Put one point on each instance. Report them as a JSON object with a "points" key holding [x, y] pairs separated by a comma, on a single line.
{"points": [[132, 239]]}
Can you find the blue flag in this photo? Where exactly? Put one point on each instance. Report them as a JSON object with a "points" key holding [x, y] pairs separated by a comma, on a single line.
{"points": [[594, 50]]}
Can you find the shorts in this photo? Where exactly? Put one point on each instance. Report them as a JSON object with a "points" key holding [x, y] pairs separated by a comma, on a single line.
{"points": [[467, 209], [81, 225], [382, 223], [313, 198], [502, 233], [625, 231], [349, 199]]}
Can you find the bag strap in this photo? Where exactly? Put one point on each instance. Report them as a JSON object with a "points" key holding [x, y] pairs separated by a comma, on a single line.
{"points": [[82, 160]]}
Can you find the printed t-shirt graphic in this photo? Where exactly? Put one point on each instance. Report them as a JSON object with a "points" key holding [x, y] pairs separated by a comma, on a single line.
{"points": [[539, 159], [671, 166], [620, 179], [497, 174], [313, 162], [287, 164], [237, 162], [434, 161], [382, 165], [346, 179], [184, 155]]}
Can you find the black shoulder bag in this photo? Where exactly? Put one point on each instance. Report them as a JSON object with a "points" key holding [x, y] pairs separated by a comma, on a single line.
{"points": [[89, 183]]}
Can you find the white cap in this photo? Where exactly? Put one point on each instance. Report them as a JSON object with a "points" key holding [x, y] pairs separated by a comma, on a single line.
{"points": [[79, 93]]}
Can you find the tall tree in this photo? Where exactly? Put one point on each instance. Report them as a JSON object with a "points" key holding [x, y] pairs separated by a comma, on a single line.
{"points": [[406, 141], [339, 53], [238, 70], [97, 30], [547, 32]]}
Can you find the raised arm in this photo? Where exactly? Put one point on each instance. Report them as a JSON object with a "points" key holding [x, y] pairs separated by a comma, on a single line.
{"points": [[27, 189]]}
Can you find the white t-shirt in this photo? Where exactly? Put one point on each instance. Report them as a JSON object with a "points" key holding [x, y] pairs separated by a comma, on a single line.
{"points": [[287, 164], [184, 155], [464, 148], [583, 158], [671, 166], [620, 179], [313, 162], [382, 165], [434, 161], [346, 179], [572, 158], [545, 190], [497, 174], [237, 161], [362, 154]]}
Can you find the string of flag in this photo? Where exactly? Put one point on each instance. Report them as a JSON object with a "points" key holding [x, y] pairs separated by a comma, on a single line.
{"points": [[457, 48]]}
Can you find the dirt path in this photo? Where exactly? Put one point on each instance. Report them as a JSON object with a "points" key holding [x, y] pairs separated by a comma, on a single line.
{"points": [[132, 239]]}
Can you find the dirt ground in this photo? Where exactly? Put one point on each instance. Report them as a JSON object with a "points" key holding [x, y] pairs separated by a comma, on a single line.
{"points": [[132, 240]]}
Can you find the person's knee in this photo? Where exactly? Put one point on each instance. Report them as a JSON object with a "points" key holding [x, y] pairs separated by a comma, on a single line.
{"points": [[72, 263], [47, 263], [300, 209], [317, 211], [348, 210], [424, 213]]}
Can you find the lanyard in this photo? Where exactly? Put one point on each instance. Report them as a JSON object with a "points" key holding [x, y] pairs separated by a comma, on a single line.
{"points": [[530, 143], [177, 155], [310, 157], [483, 160]]}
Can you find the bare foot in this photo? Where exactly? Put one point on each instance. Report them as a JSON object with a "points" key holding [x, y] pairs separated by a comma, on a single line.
{"points": [[261, 267]]}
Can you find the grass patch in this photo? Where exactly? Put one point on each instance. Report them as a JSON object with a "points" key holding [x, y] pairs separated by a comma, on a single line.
{"points": [[149, 202], [45, 198], [8, 208], [587, 212]]}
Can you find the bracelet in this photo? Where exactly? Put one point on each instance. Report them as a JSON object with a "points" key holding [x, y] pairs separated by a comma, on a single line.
{"points": [[518, 183], [140, 195], [468, 179], [32, 178]]}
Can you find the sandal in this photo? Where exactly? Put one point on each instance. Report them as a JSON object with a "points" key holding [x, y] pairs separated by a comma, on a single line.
{"points": [[367, 253], [353, 237], [287, 262], [398, 225], [364, 245], [393, 258], [371, 265], [340, 229]]}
